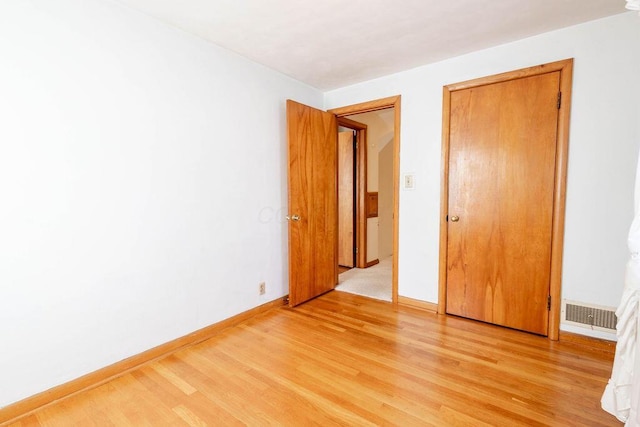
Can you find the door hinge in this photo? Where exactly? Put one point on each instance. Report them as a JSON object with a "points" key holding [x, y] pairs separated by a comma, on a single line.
{"points": [[559, 99], [549, 303], [356, 250]]}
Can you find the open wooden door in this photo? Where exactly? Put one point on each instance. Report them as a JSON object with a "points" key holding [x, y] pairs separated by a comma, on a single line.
{"points": [[313, 202], [346, 199]]}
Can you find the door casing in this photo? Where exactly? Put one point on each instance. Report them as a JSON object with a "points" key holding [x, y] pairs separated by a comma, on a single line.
{"points": [[565, 67]]}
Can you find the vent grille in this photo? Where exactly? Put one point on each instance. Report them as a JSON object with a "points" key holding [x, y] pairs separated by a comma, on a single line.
{"points": [[591, 316]]}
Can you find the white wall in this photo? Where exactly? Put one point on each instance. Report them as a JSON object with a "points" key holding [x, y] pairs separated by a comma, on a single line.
{"points": [[142, 177], [603, 150]]}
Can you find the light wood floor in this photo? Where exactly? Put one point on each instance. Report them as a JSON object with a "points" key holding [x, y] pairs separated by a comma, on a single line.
{"points": [[347, 360]]}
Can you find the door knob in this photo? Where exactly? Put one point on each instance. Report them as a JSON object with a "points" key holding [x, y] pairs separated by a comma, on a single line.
{"points": [[455, 218], [293, 217]]}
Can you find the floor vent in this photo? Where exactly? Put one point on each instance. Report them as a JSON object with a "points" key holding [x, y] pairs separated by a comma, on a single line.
{"points": [[589, 316]]}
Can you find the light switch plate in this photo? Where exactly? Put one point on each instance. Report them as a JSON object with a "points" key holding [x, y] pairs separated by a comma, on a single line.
{"points": [[408, 181]]}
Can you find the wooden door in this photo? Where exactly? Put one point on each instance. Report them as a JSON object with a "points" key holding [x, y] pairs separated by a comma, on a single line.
{"points": [[502, 148], [346, 198], [313, 202]]}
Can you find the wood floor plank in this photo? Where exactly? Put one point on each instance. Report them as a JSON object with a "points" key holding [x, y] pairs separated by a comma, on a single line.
{"points": [[174, 379], [189, 417], [346, 360]]}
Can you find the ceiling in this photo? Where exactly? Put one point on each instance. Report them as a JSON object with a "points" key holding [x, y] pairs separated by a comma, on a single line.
{"points": [[335, 43]]}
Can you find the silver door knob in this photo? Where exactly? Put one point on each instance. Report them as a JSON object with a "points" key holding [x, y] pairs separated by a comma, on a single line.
{"points": [[455, 218], [293, 218]]}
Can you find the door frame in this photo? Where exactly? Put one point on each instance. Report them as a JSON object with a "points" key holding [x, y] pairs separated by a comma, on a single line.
{"points": [[565, 67], [360, 187], [365, 107]]}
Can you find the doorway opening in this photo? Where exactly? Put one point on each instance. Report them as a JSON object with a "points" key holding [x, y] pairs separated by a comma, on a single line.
{"points": [[375, 201], [352, 190]]}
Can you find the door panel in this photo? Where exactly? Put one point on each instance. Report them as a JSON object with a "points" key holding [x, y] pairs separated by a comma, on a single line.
{"points": [[313, 202], [502, 147], [346, 206]]}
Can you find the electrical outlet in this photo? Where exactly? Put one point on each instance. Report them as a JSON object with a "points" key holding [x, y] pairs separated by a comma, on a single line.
{"points": [[262, 288]]}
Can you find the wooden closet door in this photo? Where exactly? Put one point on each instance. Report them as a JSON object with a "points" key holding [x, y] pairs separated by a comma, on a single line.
{"points": [[502, 148]]}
